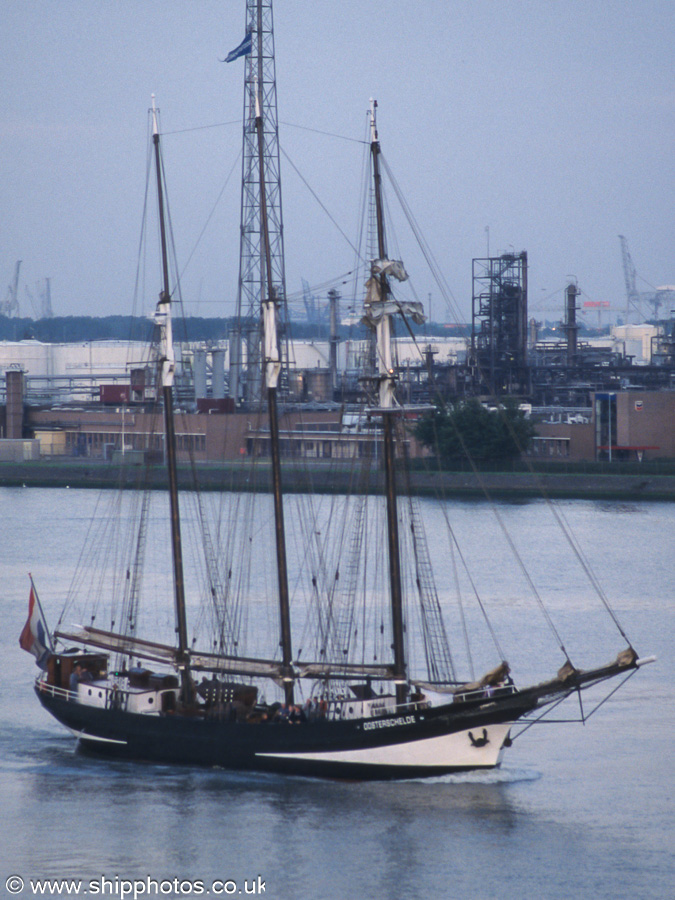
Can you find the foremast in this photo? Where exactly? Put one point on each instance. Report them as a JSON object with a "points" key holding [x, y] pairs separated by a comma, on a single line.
{"points": [[167, 367], [272, 371], [385, 370]]}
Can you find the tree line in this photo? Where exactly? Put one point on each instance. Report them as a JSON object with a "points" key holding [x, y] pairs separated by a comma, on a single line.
{"points": [[467, 430]]}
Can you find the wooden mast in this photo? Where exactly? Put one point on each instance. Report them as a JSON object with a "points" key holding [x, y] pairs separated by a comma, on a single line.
{"points": [[272, 363], [386, 395], [167, 369]]}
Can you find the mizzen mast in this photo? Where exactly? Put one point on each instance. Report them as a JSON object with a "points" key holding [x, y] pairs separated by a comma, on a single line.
{"points": [[167, 367], [379, 292]]}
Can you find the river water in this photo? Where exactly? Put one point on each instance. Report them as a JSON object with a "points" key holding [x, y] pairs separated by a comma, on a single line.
{"points": [[575, 811]]}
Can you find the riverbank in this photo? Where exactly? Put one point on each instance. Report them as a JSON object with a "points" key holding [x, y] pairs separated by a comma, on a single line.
{"points": [[317, 476]]}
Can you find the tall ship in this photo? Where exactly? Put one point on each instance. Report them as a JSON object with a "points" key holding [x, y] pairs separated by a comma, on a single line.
{"points": [[378, 695]]}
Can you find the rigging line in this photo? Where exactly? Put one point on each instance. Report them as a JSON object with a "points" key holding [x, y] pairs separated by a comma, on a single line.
{"points": [[344, 598], [313, 193], [311, 519], [308, 563], [343, 587], [512, 545], [608, 697], [362, 209], [360, 266], [423, 244], [488, 496], [540, 720], [410, 331], [176, 274], [209, 217], [217, 591], [303, 510], [142, 236], [354, 579], [545, 299], [226, 541], [325, 589], [537, 720], [298, 295], [581, 557], [467, 572], [436, 646], [92, 530], [462, 613], [342, 137], [508, 538], [434, 268], [562, 522], [200, 128]]}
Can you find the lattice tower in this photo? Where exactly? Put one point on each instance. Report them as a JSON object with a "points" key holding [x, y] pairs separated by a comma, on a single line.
{"points": [[260, 79]]}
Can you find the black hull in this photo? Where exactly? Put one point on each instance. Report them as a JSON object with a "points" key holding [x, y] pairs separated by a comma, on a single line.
{"points": [[388, 748]]}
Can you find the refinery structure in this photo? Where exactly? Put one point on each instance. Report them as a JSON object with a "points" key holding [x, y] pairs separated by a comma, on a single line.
{"points": [[610, 396], [601, 394]]}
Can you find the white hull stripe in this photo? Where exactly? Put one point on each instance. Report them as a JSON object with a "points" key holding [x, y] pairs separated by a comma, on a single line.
{"points": [[92, 737], [476, 747]]}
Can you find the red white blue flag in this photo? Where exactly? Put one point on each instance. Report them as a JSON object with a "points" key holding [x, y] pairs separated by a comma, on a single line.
{"points": [[35, 636]]}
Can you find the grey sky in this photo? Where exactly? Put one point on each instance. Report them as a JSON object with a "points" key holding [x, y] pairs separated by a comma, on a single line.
{"points": [[550, 121]]}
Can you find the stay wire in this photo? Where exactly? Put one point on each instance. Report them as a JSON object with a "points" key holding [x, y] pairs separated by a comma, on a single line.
{"points": [[552, 506], [316, 197], [434, 268]]}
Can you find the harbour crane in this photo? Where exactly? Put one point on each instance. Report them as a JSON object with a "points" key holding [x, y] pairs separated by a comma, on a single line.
{"points": [[629, 276], [10, 305], [43, 309]]}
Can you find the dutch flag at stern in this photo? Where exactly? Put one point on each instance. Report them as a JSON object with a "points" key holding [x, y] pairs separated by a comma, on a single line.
{"points": [[35, 636]]}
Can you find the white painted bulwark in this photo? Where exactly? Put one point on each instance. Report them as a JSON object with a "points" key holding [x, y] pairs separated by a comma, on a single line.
{"points": [[462, 750]]}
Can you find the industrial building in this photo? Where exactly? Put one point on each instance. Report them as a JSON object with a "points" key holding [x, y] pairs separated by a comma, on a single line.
{"points": [[106, 415], [605, 397]]}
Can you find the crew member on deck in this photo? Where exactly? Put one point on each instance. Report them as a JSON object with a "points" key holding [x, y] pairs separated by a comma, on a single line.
{"points": [[79, 674], [75, 677]]}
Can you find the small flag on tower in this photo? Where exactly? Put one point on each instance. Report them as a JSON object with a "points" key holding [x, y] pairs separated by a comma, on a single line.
{"points": [[242, 50]]}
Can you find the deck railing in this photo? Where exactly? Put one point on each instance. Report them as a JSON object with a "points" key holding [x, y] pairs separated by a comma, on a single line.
{"points": [[46, 688]]}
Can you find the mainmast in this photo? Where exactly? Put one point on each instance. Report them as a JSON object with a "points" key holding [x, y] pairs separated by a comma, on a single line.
{"points": [[386, 396], [272, 370], [167, 366]]}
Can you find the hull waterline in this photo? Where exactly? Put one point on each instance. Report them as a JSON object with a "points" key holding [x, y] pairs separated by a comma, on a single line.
{"points": [[430, 742]]}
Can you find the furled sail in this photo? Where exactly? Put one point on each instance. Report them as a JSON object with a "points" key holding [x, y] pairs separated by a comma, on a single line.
{"points": [[216, 662], [133, 646], [376, 306], [345, 670]]}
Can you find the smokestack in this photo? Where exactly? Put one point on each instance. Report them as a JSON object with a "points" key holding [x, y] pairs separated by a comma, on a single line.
{"points": [[14, 385], [571, 323]]}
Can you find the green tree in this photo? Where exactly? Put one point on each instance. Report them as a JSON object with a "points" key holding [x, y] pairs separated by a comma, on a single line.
{"points": [[470, 430]]}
